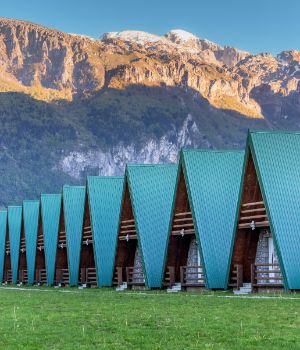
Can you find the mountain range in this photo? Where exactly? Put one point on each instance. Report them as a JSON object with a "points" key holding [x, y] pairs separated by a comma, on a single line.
{"points": [[72, 106]]}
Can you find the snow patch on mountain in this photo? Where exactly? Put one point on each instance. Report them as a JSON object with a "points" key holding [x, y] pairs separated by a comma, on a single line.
{"points": [[181, 35], [136, 36]]}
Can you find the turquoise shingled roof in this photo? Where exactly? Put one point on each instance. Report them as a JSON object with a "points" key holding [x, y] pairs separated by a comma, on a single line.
{"points": [[3, 229], [31, 210], [213, 183], [50, 207], [276, 157], [105, 197], [152, 189], [15, 225], [74, 200]]}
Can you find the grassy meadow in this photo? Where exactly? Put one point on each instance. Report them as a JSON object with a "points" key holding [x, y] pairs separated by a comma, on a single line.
{"points": [[48, 318]]}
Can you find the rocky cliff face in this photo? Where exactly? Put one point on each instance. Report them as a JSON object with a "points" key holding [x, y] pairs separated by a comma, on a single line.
{"points": [[71, 105], [50, 64]]}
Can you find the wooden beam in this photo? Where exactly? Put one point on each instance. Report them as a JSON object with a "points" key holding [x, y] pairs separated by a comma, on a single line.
{"points": [[252, 204], [127, 221], [185, 219], [183, 225], [186, 232], [252, 210], [127, 226], [257, 224], [182, 214], [123, 238], [127, 231], [268, 278], [253, 217], [267, 271]]}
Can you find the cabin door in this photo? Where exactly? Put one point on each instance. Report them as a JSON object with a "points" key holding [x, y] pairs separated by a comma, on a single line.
{"points": [[194, 269], [138, 272], [272, 258]]}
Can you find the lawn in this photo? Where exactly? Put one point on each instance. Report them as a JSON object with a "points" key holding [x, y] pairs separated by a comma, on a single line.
{"points": [[104, 319]]}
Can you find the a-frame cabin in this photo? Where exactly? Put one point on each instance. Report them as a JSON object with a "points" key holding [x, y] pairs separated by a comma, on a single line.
{"points": [[7, 276], [61, 262], [183, 263], [266, 247], [51, 215], [144, 224], [74, 198], [22, 270], [203, 219], [31, 218], [40, 260], [101, 219], [3, 234], [87, 267], [14, 231]]}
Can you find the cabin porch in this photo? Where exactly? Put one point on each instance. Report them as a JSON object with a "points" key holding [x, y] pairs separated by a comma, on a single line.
{"points": [[128, 262], [255, 259]]}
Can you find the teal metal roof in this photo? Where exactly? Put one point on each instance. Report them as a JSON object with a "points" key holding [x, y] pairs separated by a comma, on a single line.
{"points": [[276, 157], [14, 225], [74, 200], [152, 189], [213, 182], [31, 221], [3, 228], [50, 207], [105, 196]]}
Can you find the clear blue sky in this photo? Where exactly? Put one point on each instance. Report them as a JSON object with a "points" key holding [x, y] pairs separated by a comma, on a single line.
{"points": [[253, 25]]}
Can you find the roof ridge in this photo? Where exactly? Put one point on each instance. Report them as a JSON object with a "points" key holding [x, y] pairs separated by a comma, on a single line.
{"points": [[104, 177], [295, 132], [51, 194], [213, 150], [151, 165]]}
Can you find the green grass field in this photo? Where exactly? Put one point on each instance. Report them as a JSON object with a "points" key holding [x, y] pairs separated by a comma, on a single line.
{"points": [[104, 319]]}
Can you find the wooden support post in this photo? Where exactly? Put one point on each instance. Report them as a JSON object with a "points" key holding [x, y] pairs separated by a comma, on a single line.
{"points": [[127, 275], [58, 276], [182, 275], [172, 275], [239, 280], [120, 275], [83, 275], [252, 274]]}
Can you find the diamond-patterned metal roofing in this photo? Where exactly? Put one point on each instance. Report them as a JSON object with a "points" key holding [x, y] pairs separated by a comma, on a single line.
{"points": [[276, 157], [213, 183], [50, 207], [105, 197], [152, 189], [3, 229], [74, 200], [31, 210], [14, 227]]}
